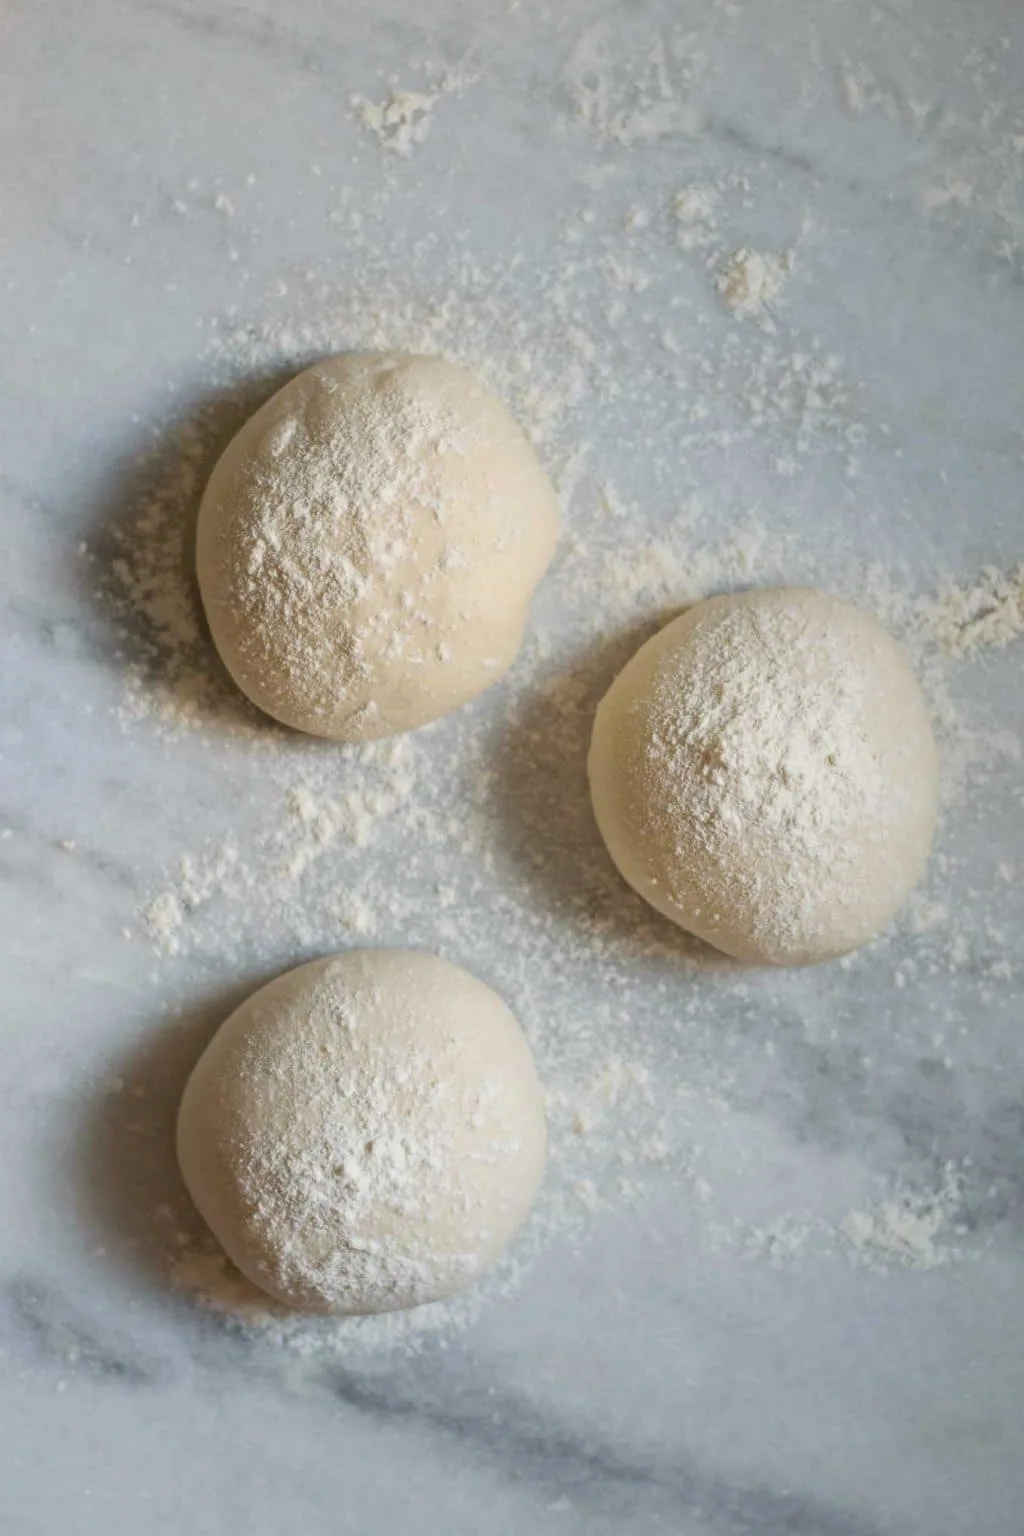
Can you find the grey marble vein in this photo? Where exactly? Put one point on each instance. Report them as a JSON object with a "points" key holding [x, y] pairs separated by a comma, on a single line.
{"points": [[308, 49], [52, 1330], [526, 1441]]}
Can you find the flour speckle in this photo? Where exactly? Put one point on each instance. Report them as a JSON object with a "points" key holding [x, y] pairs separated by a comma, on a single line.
{"points": [[909, 1230], [402, 120], [751, 282], [163, 918], [399, 122]]}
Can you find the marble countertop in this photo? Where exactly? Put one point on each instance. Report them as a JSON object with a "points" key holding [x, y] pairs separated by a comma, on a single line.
{"points": [[777, 1282]]}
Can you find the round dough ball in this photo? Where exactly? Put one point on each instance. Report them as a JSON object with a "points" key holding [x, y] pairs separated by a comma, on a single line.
{"points": [[365, 1133], [763, 772], [369, 542]]}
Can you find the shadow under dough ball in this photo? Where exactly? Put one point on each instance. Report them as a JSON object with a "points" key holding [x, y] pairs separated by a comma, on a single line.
{"points": [[763, 772], [369, 542], [365, 1133]]}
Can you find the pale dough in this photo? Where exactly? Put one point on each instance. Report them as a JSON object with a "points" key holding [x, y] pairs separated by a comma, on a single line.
{"points": [[365, 1133], [369, 542], [763, 772]]}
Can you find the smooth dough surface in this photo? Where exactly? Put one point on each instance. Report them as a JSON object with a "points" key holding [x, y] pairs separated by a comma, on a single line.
{"points": [[365, 1133], [369, 542], [763, 772]]}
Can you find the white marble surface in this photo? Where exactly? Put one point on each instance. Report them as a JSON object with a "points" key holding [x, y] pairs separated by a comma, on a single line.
{"points": [[663, 1365]]}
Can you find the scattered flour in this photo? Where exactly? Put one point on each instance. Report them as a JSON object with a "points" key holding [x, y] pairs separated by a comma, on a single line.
{"points": [[989, 612], [694, 208], [163, 918], [448, 836], [399, 122], [751, 282], [910, 1230], [403, 119]]}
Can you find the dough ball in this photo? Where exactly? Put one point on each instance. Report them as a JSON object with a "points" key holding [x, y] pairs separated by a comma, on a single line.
{"points": [[763, 772], [365, 1133], [369, 542]]}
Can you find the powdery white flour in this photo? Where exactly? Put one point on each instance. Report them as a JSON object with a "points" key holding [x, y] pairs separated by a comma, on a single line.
{"points": [[475, 836]]}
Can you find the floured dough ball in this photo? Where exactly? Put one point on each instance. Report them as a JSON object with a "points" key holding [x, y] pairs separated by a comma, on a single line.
{"points": [[763, 771], [365, 1133], [369, 542]]}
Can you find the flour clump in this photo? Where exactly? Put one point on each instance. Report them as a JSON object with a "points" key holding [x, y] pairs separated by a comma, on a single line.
{"points": [[369, 542], [365, 1133], [763, 772]]}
